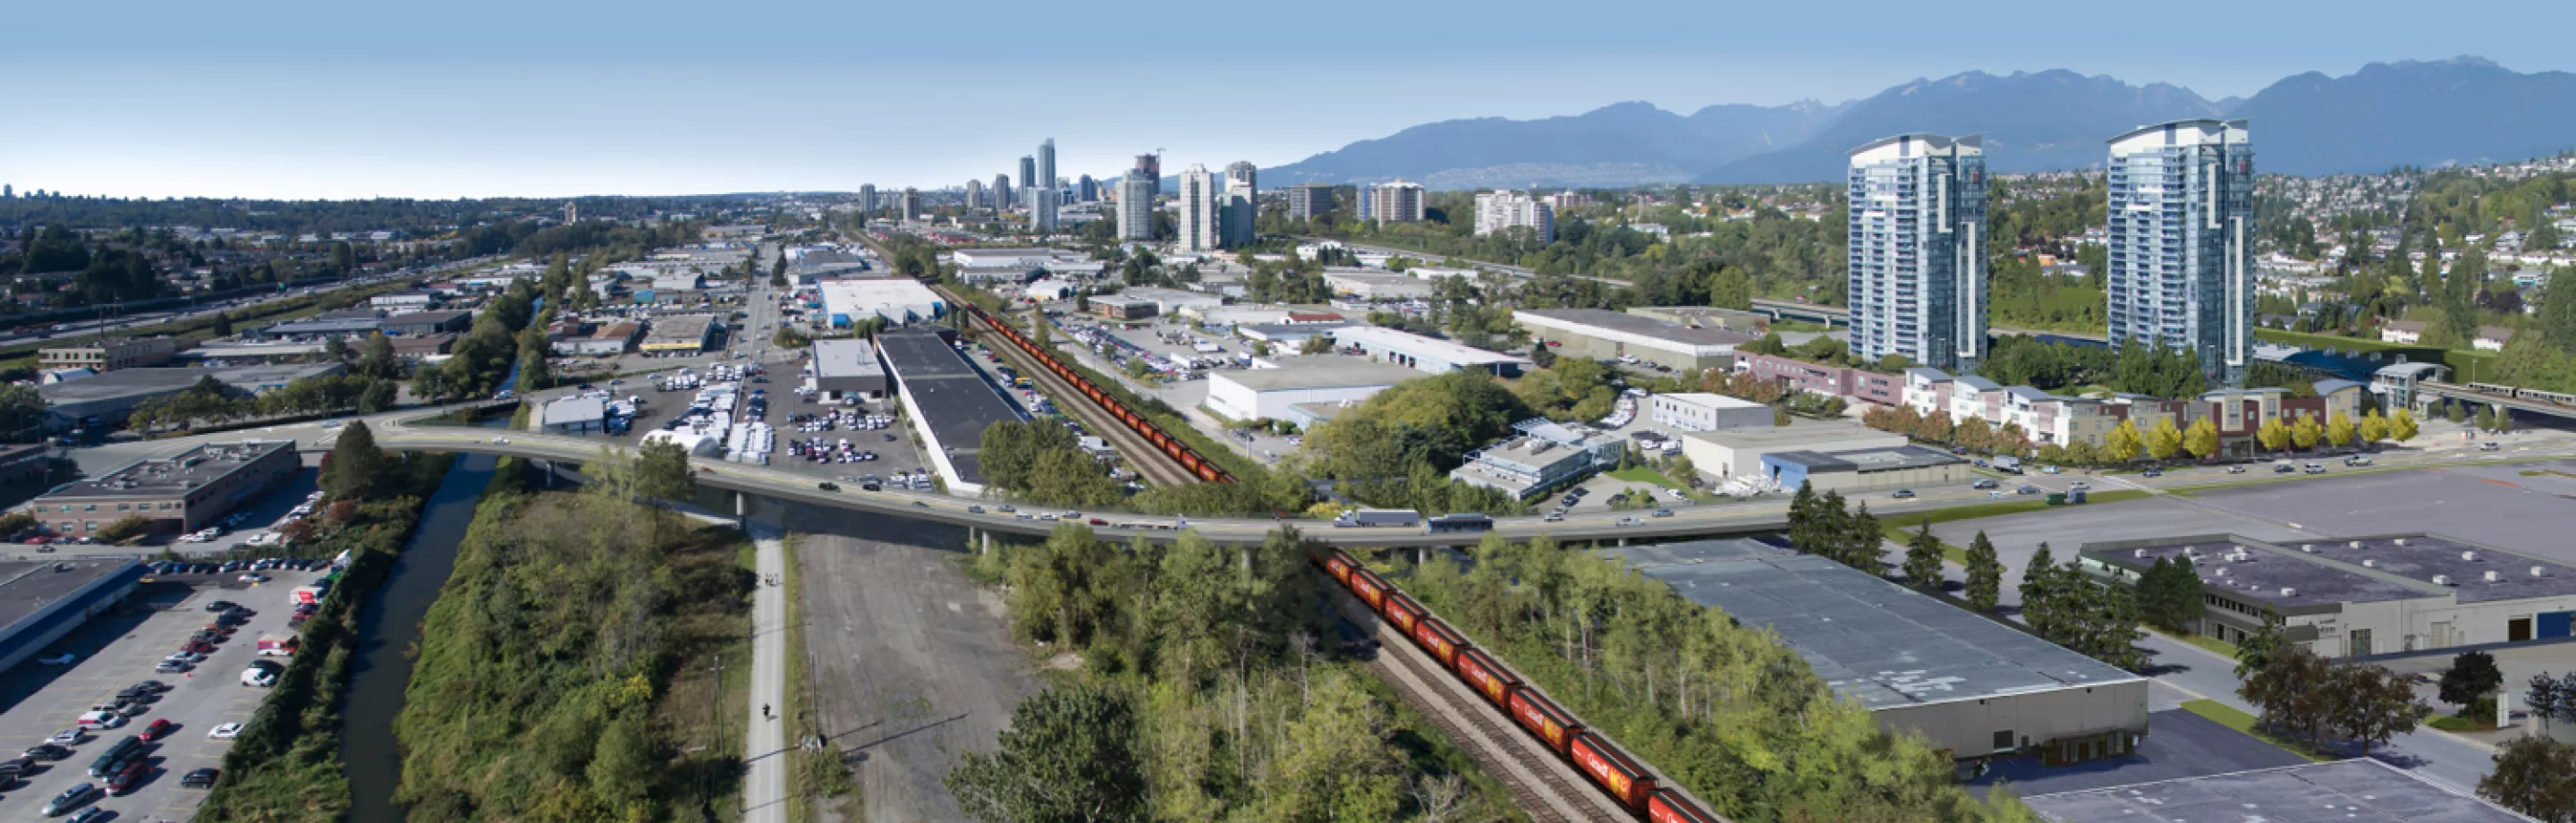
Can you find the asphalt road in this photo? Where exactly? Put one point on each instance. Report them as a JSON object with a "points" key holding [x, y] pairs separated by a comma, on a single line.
{"points": [[764, 780], [210, 696], [913, 663]]}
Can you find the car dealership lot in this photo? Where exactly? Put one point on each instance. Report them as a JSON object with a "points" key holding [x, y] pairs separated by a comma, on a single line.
{"points": [[196, 701]]}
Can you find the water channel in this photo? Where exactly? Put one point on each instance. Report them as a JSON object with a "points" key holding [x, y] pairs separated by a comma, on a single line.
{"points": [[388, 627]]}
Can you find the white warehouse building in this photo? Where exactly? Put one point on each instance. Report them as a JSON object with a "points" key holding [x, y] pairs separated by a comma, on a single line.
{"points": [[1269, 394], [1702, 411], [898, 300]]}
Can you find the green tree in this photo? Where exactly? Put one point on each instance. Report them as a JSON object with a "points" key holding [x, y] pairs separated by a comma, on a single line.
{"points": [[1985, 574], [355, 465], [124, 528], [1068, 757], [2530, 777], [376, 358], [2255, 651], [2455, 413], [1923, 559], [2486, 418], [379, 396], [2472, 676], [662, 472], [2037, 576]]}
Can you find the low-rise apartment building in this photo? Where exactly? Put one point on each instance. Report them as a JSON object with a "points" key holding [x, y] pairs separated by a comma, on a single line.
{"points": [[109, 355], [178, 494]]}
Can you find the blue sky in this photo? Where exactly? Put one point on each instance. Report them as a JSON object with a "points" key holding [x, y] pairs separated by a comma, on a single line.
{"points": [[294, 98]]}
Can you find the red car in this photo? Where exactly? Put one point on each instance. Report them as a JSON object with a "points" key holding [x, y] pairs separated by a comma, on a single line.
{"points": [[159, 729], [199, 647], [127, 780]]}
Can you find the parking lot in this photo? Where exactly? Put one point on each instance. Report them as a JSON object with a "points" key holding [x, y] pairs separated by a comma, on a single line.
{"points": [[784, 405], [115, 651]]}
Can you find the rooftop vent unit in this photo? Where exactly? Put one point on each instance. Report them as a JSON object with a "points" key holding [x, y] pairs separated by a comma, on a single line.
{"points": [[2287, 591], [2469, 556], [2540, 571], [2442, 580], [2356, 544], [2140, 553], [2495, 577], [2369, 564], [2222, 572], [2400, 541], [2310, 548]]}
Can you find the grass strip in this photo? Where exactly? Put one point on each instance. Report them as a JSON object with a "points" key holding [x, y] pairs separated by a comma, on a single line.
{"points": [[2231, 717]]}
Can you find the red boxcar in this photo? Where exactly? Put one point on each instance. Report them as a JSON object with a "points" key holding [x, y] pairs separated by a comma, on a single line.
{"points": [[1544, 719], [1482, 674], [1371, 590], [1339, 565], [1611, 769], [1401, 612], [1668, 806], [1441, 641]]}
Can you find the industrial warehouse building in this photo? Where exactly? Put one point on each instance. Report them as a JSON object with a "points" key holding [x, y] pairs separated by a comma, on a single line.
{"points": [[948, 402], [1272, 394], [1602, 335], [1739, 451], [1971, 686], [111, 396], [848, 370], [2358, 790], [2353, 597], [1545, 456], [896, 300], [109, 355], [176, 494], [40, 602], [1860, 470], [424, 323], [1701, 411], [681, 335], [1375, 285], [1171, 302], [1428, 354]]}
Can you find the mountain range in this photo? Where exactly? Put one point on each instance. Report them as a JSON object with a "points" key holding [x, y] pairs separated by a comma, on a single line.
{"points": [[2461, 111]]}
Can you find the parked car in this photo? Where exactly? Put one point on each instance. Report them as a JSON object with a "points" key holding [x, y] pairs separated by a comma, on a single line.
{"points": [[199, 779], [70, 799], [158, 729], [47, 751], [1984, 484], [1903, 494], [226, 731], [2489, 447]]}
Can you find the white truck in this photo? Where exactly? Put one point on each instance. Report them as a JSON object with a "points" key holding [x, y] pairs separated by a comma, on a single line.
{"points": [[1370, 518]]}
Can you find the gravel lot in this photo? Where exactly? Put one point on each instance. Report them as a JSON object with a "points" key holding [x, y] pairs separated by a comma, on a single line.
{"points": [[117, 651], [911, 662]]}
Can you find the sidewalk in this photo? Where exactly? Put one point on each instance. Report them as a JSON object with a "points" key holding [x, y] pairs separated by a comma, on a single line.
{"points": [[765, 755]]}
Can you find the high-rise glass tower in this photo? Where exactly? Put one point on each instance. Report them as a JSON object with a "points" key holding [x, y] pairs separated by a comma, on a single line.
{"points": [[867, 198], [1028, 176], [1235, 222], [2181, 255], [1197, 218], [1002, 191], [974, 194], [1918, 250], [1086, 190], [1045, 181]]}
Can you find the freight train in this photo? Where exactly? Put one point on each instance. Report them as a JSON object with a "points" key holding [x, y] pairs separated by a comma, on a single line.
{"points": [[1600, 760], [1198, 465]]}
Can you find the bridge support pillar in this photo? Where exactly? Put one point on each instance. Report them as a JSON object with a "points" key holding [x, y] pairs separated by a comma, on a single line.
{"points": [[1623, 542], [987, 540]]}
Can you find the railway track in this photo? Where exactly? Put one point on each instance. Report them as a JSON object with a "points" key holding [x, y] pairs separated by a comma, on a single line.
{"points": [[1150, 463], [1544, 787]]}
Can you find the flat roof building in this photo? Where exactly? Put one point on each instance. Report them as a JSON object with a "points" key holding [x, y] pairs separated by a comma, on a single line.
{"points": [[1738, 452], [897, 300], [1173, 301], [423, 323], [1601, 334], [1859, 470], [112, 395], [1969, 685], [109, 355], [948, 402], [319, 329], [848, 369], [574, 415], [1545, 456], [1371, 284], [1272, 394], [42, 601], [2357, 790], [1426, 353], [176, 494], [1702, 411], [2359, 596], [681, 334]]}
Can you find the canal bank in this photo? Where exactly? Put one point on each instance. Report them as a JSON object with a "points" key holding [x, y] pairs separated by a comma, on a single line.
{"points": [[389, 627]]}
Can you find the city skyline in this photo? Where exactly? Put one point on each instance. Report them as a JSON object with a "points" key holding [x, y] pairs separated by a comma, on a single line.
{"points": [[288, 105]]}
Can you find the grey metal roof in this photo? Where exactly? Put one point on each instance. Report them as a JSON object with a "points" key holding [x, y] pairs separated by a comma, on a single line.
{"points": [[192, 469], [1635, 324], [2359, 790], [1873, 641], [2326, 571], [1324, 372], [1933, 374], [846, 358], [1979, 383]]}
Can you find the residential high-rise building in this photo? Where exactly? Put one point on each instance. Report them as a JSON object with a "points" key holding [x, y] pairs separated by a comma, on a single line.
{"points": [[1002, 191], [1151, 166], [1086, 190], [1307, 201], [1029, 175], [910, 204], [2181, 246], [867, 199], [1046, 171], [1197, 198], [974, 194], [1499, 210], [1043, 202], [1241, 208], [1918, 251], [1136, 208], [8, 192], [1395, 201], [572, 212], [1367, 201]]}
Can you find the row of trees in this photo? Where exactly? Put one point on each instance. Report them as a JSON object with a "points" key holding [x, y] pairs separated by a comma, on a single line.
{"points": [[2127, 442], [211, 402], [2064, 605], [2531, 771], [1040, 461], [1206, 692], [2320, 701], [1823, 525], [1720, 706]]}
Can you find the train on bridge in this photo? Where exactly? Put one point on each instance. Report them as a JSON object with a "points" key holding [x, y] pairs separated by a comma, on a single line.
{"points": [[2533, 395], [1594, 755]]}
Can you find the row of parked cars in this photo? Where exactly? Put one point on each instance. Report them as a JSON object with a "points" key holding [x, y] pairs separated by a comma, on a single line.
{"points": [[121, 767]]}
